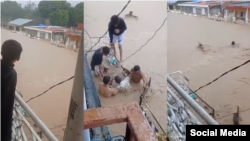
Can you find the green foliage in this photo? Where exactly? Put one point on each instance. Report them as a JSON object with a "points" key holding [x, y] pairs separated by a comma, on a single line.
{"points": [[79, 12], [59, 17], [11, 10], [59, 12]]}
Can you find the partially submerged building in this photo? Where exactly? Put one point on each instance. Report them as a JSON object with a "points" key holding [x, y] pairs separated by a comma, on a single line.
{"points": [[239, 10], [46, 32], [20, 23], [204, 8], [173, 4], [73, 37]]}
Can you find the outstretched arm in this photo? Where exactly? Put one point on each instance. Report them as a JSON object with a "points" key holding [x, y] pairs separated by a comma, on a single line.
{"points": [[114, 92], [144, 80]]}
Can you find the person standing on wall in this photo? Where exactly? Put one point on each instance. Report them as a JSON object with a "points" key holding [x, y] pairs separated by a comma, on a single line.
{"points": [[117, 26]]}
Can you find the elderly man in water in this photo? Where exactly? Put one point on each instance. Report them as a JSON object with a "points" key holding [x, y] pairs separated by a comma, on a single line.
{"points": [[137, 75], [105, 89]]}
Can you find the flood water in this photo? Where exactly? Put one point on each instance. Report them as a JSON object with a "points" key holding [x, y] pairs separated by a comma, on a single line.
{"points": [[41, 66], [151, 58], [218, 57]]}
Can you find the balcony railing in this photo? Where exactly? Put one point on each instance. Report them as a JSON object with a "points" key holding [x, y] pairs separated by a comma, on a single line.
{"points": [[26, 125], [138, 128]]}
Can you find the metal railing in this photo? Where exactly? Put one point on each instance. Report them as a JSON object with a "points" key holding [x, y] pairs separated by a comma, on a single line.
{"points": [[184, 108], [22, 129]]}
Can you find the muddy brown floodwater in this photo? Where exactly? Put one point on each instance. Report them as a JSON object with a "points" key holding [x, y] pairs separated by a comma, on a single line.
{"points": [[152, 58], [41, 66], [218, 57]]}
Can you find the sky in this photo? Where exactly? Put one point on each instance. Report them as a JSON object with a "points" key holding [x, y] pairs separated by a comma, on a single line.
{"points": [[73, 3]]}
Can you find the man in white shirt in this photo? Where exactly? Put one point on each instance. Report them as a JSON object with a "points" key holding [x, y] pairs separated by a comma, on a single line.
{"points": [[123, 85]]}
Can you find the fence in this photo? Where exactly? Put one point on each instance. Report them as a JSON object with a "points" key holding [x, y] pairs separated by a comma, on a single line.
{"points": [[184, 108], [25, 121]]}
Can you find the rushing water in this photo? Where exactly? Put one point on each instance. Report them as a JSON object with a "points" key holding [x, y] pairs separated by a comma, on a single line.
{"points": [[218, 57]]}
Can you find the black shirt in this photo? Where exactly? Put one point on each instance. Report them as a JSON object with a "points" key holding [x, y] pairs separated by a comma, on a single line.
{"points": [[121, 26], [96, 59], [8, 87]]}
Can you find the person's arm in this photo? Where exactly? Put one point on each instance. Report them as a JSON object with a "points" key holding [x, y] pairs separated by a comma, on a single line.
{"points": [[100, 70], [123, 26], [99, 61], [131, 72], [114, 92], [144, 80], [9, 88], [111, 32]]}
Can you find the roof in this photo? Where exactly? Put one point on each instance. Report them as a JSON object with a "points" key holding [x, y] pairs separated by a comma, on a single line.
{"points": [[241, 4], [171, 1], [201, 4], [19, 21]]}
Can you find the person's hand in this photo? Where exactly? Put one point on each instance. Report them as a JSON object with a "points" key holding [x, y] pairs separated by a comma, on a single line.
{"points": [[145, 86], [105, 70], [116, 31]]}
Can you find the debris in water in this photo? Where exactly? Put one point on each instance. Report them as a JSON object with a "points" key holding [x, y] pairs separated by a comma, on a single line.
{"points": [[236, 116], [200, 46]]}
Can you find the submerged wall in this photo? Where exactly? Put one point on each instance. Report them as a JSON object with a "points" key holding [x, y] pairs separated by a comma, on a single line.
{"points": [[93, 101]]}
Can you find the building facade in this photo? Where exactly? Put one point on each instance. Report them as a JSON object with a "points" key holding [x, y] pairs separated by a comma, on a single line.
{"points": [[239, 11]]}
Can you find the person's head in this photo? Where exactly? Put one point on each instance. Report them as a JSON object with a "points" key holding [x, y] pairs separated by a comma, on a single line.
{"points": [[106, 80], [118, 79], [233, 43], [150, 123], [130, 13], [105, 50], [11, 51], [115, 20], [137, 69]]}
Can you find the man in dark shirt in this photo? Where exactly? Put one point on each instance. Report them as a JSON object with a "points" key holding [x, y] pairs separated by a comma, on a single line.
{"points": [[11, 52], [97, 60], [117, 26]]}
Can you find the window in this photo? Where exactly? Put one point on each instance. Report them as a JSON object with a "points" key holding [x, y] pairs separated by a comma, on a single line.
{"points": [[241, 14]]}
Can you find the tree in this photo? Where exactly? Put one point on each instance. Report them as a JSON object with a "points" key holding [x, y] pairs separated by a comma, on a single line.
{"points": [[11, 10], [48, 7], [72, 18], [59, 17], [79, 12], [31, 10]]}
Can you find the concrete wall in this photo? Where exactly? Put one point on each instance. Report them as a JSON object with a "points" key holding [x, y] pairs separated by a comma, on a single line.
{"points": [[93, 101]]}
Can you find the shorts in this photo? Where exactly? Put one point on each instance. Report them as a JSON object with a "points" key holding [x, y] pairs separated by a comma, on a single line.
{"points": [[118, 38]]}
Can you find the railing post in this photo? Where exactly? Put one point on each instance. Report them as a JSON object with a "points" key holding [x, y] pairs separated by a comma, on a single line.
{"points": [[204, 115], [74, 128]]}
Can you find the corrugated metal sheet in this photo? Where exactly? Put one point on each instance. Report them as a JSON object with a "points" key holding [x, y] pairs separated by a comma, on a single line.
{"points": [[19, 21]]}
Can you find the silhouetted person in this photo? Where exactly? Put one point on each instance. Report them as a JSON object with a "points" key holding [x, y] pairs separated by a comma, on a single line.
{"points": [[11, 52]]}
